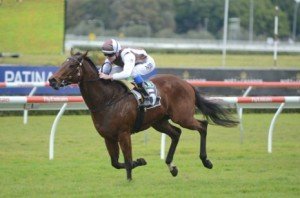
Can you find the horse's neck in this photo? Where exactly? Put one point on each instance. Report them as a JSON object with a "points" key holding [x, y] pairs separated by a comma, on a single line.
{"points": [[98, 94], [92, 93]]}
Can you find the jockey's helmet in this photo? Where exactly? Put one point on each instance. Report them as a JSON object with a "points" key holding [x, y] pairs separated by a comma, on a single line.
{"points": [[111, 46]]}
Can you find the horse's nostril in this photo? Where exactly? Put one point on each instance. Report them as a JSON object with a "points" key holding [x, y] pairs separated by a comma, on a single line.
{"points": [[53, 83], [52, 80]]}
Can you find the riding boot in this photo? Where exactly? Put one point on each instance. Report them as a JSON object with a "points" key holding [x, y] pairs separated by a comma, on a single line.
{"points": [[142, 90]]}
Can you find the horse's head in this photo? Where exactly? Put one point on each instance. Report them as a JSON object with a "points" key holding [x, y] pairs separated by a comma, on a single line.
{"points": [[69, 72]]}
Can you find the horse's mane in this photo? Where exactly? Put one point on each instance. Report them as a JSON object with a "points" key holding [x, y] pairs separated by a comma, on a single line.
{"points": [[114, 82]]}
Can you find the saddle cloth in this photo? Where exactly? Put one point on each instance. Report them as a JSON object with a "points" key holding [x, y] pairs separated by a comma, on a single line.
{"points": [[153, 94]]}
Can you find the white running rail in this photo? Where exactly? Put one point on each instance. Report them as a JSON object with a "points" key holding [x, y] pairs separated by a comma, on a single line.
{"points": [[63, 103]]}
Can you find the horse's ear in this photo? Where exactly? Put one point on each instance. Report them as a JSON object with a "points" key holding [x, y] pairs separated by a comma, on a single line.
{"points": [[72, 52], [85, 54]]}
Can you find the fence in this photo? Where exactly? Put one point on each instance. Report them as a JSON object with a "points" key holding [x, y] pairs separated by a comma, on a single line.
{"points": [[63, 103]]}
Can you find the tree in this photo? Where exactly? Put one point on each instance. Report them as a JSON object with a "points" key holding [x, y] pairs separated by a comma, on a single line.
{"points": [[157, 14], [182, 17], [204, 14], [78, 11], [192, 14]]}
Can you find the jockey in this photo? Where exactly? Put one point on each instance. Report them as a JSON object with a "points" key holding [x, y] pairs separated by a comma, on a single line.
{"points": [[121, 63]]}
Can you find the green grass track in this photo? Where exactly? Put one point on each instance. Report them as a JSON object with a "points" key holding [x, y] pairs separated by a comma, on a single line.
{"points": [[81, 165]]}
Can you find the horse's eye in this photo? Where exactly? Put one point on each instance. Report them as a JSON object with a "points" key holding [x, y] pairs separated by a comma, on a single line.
{"points": [[73, 65]]}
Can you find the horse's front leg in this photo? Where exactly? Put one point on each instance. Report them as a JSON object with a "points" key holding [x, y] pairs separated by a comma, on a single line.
{"points": [[113, 150], [125, 144]]}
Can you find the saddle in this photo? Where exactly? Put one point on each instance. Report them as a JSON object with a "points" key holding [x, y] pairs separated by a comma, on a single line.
{"points": [[150, 102]]}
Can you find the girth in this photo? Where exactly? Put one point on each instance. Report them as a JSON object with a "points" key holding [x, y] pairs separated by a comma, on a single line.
{"points": [[139, 119]]}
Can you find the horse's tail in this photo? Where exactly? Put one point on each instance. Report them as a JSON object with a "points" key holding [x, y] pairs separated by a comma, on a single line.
{"points": [[214, 112]]}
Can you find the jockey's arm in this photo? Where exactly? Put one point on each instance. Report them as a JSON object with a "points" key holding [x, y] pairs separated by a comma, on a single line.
{"points": [[129, 61], [106, 67]]}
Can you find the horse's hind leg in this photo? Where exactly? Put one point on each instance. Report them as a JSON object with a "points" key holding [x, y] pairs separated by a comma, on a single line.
{"points": [[200, 126], [203, 156], [174, 133]]}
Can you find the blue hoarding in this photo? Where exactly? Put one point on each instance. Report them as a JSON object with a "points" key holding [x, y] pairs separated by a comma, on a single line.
{"points": [[24, 74]]}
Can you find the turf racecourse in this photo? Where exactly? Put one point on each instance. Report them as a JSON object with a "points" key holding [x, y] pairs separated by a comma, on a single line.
{"points": [[81, 167]]}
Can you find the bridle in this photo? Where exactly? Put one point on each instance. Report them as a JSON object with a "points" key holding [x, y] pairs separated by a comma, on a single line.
{"points": [[79, 71], [78, 68]]}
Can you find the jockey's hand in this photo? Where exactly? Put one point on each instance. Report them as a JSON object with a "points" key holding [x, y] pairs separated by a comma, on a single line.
{"points": [[105, 76]]}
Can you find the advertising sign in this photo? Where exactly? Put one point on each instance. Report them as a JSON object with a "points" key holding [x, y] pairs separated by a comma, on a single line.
{"points": [[25, 74]]}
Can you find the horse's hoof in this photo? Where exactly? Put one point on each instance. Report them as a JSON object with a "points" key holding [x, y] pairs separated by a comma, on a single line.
{"points": [[207, 164], [174, 171], [141, 161]]}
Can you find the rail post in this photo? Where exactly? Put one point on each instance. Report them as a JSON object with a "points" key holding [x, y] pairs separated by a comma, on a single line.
{"points": [[53, 130], [270, 134]]}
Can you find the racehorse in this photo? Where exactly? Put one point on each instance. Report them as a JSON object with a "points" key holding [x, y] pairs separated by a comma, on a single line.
{"points": [[114, 110]]}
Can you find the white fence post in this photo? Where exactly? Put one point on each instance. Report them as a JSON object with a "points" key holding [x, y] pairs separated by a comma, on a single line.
{"points": [[162, 146], [240, 114], [270, 135], [53, 130], [25, 113]]}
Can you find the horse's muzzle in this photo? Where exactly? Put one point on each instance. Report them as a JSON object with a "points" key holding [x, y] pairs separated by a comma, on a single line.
{"points": [[53, 83]]}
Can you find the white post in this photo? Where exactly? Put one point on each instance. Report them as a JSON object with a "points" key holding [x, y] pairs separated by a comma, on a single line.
{"points": [[240, 114], [25, 113], [270, 135], [53, 130], [162, 146], [275, 36], [251, 21], [225, 32]]}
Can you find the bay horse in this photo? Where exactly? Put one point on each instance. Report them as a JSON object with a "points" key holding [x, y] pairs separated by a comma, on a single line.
{"points": [[114, 110]]}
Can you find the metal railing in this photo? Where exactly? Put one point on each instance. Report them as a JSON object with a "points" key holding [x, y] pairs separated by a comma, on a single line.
{"points": [[183, 44]]}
